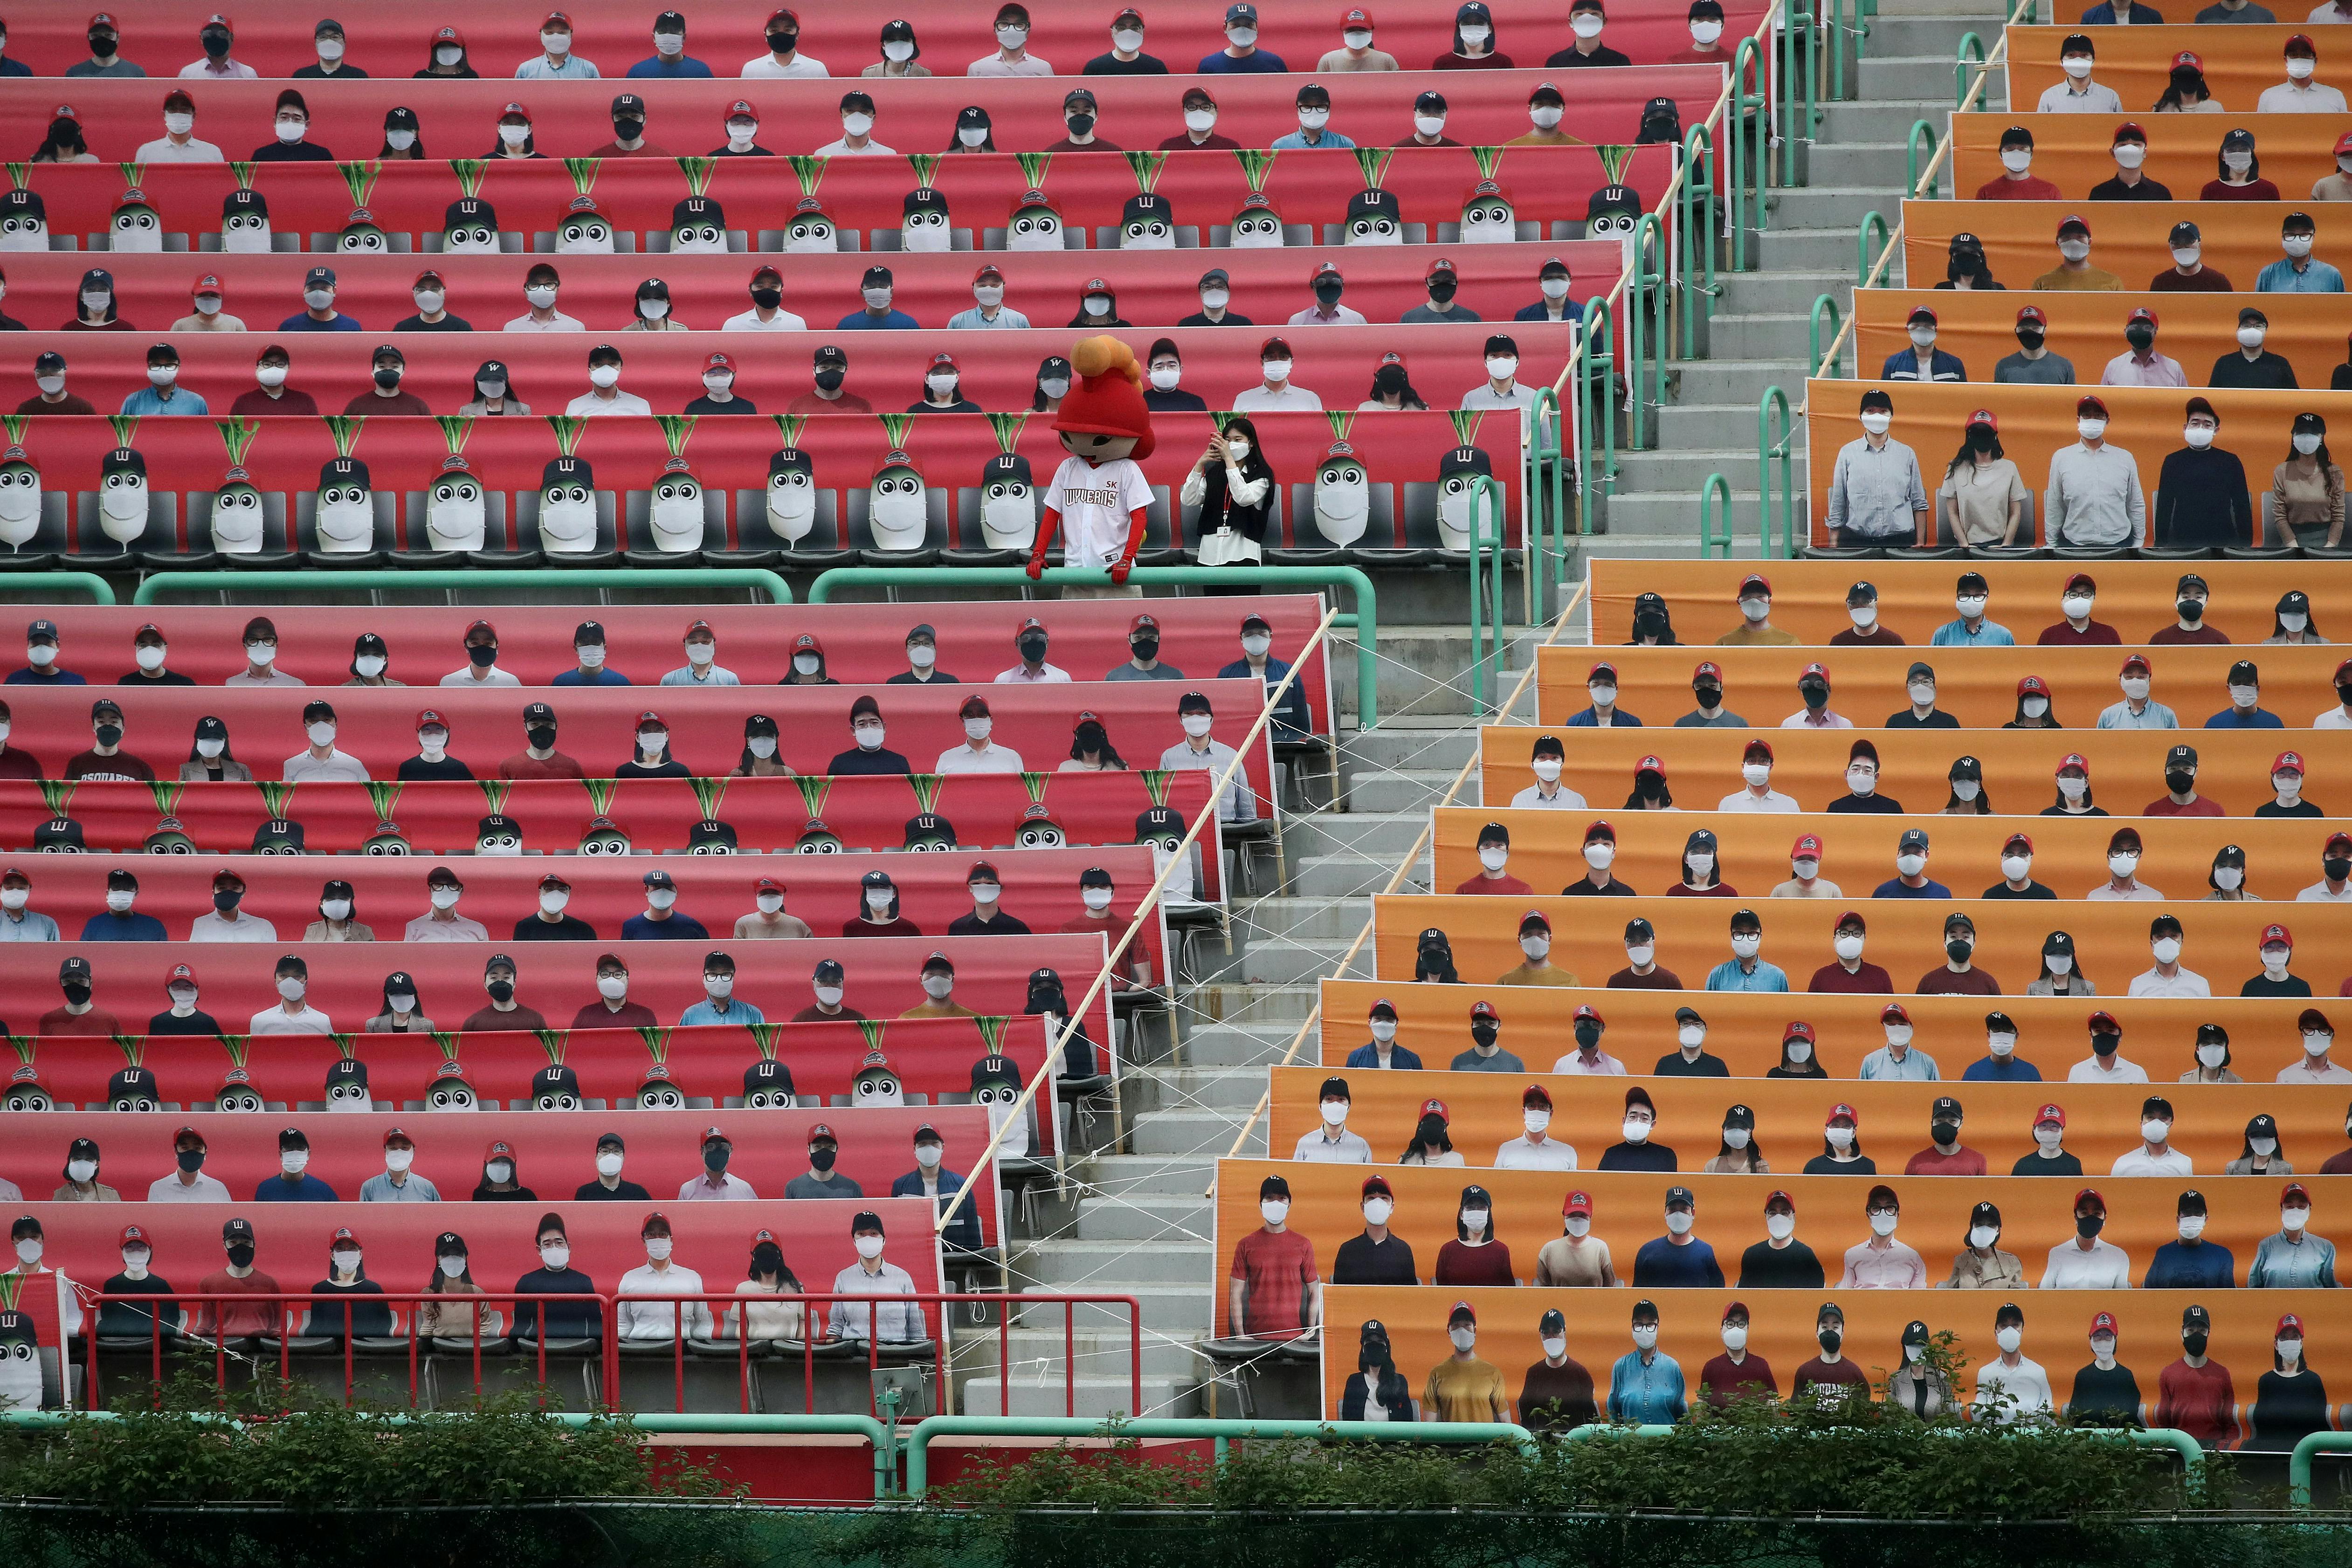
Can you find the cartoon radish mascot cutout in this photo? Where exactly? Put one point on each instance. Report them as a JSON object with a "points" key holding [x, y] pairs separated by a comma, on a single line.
{"points": [[924, 222], [1256, 226], [674, 508], [567, 493], [697, 225], [810, 231], [791, 484], [136, 228], [1008, 493], [1147, 222], [1488, 216], [469, 226], [237, 518], [1100, 497], [345, 515], [583, 230], [244, 216], [20, 489], [1374, 215], [24, 216]]}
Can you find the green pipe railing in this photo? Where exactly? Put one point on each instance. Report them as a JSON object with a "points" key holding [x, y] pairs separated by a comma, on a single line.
{"points": [[1365, 621], [1873, 228], [1596, 406], [1971, 53], [1222, 1432], [1922, 131], [1750, 130], [1695, 215], [1813, 336], [1548, 498], [1715, 501], [48, 587], [1487, 551], [1772, 408], [162, 583], [2298, 1464], [1799, 41], [1645, 333]]}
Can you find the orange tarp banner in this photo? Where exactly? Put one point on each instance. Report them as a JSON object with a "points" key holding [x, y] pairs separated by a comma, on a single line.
{"points": [[1857, 850], [1628, 1208], [2221, 942], [1891, 1122], [2087, 330], [1976, 685], [1744, 1029], [1915, 597], [2127, 240], [1781, 1328], [2020, 765], [2240, 61], [2184, 151], [1932, 419]]}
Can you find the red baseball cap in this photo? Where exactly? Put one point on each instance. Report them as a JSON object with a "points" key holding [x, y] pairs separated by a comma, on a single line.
{"points": [[1578, 1203], [1755, 579], [1893, 1013], [1806, 844], [1797, 1030], [1587, 1010], [2032, 313], [2017, 839], [1707, 667], [2050, 1113], [1984, 416], [2276, 933], [1841, 1111], [2103, 1323], [2287, 762], [1485, 1010]]}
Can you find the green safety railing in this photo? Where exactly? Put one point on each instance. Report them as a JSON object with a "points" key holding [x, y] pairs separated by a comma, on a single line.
{"points": [[1873, 226], [1365, 621], [1771, 409], [1971, 52], [1645, 333], [2298, 1464], [1548, 498], [48, 586], [1813, 334], [1596, 404], [1921, 131], [1488, 548], [918, 1442], [1695, 217], [1749, 131], [1715, 501], [1799, 107], [163, 583]]}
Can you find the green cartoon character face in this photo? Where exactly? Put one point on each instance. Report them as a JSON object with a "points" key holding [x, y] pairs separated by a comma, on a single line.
{"points": [[497, 834], [603, 837], [710, 837], [238, 514], [136, 227], [816, 838], [170, 839], [659, 1094], [876, 1083], [277, 836], [584, 231], [387, 840], [237, 1093], [1039, 830], [928, 831], [811, 230], [470, 227], [25, 1093], [362, 237], [1034, 224], [450, 1091]]}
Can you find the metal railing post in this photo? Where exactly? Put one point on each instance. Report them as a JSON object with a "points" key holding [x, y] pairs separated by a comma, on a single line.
{"points": [[1971, 52], [1873, 227], [1922, 129], [1775, 402], [1715, 500], [1813, 332], [1697, 215]]}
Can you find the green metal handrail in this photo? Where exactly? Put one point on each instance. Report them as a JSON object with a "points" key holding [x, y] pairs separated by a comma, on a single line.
{"points": [[2298, 1464], [49, 586], [1547, 529], [1874, 227], [1645, 331], [1797, 46], [1472, 1433], [1921, 129], [1486, 553], [1813, 334], [1365, 621], [1971, 52], [1715, 500], [778, 590], [1696, 215], [1750, 134], [1776, 402], [1596, 406]]}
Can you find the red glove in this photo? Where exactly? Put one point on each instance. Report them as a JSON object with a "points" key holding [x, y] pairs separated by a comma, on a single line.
{"points": [[1047, 527], [1035, 569], [1126, 562]]}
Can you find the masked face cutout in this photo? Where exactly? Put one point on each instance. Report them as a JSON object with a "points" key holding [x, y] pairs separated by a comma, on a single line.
{"points": [[454, 515], [1488, 220], [1373, 225], [660, 1093], [346, 518], [1616, 225], [676, 513], [1457, 478], [811, 234], [345, 1094], [122, 505], [698, 239], [708, 837], [792, 504], [583, 233], [246, 234], [816, 838], [567, 518], [1033, 228], [1343, 501], [1259, 229], [1151, 230], [469, 239], [387, 840], [24, 232], [925, 231], [170, 839], [362, 239], [898, 515], [603, 838], [1039, 830], [237, 518], [136, 229], [20, 1364], [999, 1096], [1008, 514], [20, 504]]}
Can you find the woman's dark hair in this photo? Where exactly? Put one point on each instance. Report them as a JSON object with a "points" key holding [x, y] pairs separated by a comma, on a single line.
{"points": [[50, 147], [1407, 398], [416, 149], [529, 143], [2246, 1151], [1494, 34], [1754, 1150], [1431, 1129], [783, 1271], [2254, 160], [1655, 620], [1853, 1149], [2310, 622], [768, 728], [2073, 974], [359, 1275], [2049, 720], [436, 1282], [474, 380], [2319, 455], [1472, 1196], [1665, 796], [1968, 262], [988, 143], [412, 989], [1098, 742], [1967, 448], [2183, 77], [1433, 963], [1037, 393], [2232, 853], [227, 755], [2088, 803]]}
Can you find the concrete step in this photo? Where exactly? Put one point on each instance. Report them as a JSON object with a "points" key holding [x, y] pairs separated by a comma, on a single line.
{"points": [[1117, 1179], [1882, 117], [1788, 292], [1672, 518], [1783, 249], [1719, 427], [1304, 919], [1854, 163], [1154, 1218], [1081, 1264], [1675, 472], [1103, 1355], [1157, 1089], [1778, 335], [1716, 381], [1382, 835], [1294, 960], [1180, 1309], [1195, 1134], [1231, 1045], [1921, 83], [1391, 792], [1904, 37], [1043, 1393], [1820, 205], [1395, 745], [1257, 1003], [1352, 876]]}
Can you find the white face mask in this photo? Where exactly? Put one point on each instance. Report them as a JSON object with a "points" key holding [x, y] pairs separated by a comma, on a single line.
{"points": [[335, 908], [1239, 450], [978, 728], [290, 131], [2166, 949], [1982, 1237], [2153, 1131], [1645, 1336], [1865, 781], [542, 296], [291, 990], [1746, 945], [2193, 1226], [1637, 1129], [936, 987], [1678, 1222], [1096, 898], [613, 988], [2008, 1339], [898, 52], [294, 1161], [120, 901], [1839, 1137], [739, 133], [2316, 1044], [772, 903], [1875, 423], [1274, 1211], [1641, 955], [1736, 1138], [2017, 160], [2075, 788], [1898, 1034], [602, 376], [828, 996], [869, 737], [557, 44], [2122, 866], [2294, 1218], [856, 124], [1779, 1227], [552, 901], [1756, 773], [1705, 33], [1377, 1210], [1199, 120], [556, 1256], [1700, 865], [1883, 1224], [661, 897]]}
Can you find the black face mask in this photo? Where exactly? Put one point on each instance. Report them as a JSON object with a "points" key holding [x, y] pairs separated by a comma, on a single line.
{"points": [[191, 1160], [1830, 1339], [1372, 1358], [1648, 624], [1965, 263], [215, 46], [629, 129], [103, 44], [1091, 737], [1979, 438], [714, 1158], [226, 900], [483, 654], [240, 1257], [1145, 648], [2140, 337], [2191, 609], [2344, 695], [1484, 1033], [1429, 1130], [1942, 1133], [1710, 697], [500, 990], [2106, 1044], [768, 1258], [1388, 379], [829, 378], [1650, 786], [2193, 1343], [1080, 124], [541, 736], [1441, 287], [1958, 951], [1815, 694], [2028, 339], [783, 43], [108, 735], [387, 377], [1327, 291], [822, 1157], [2336, 867], [767, 298], [2089, 1225], [1588, 1035], [1033, 649], [2179, 782]]}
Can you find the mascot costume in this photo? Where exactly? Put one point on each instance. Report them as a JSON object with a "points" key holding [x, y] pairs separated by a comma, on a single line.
{"points": [[1099, 496]]}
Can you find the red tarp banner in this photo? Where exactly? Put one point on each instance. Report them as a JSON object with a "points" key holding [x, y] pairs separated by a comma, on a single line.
{"points": [[573, 119], [768, 816], [309, 204], [162, 37], [235, 981]]}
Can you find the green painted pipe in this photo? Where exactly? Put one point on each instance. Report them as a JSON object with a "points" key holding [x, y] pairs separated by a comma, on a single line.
{"points": [[2298, 1466], [160, 583], [1224, 1431], [1365, 621], [53, 584]]}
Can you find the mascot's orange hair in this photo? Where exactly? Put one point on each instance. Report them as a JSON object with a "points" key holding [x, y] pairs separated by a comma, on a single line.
{"points": [[1107, 396]]}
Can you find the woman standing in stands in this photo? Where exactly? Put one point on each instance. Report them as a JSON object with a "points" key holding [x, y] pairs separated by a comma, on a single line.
{"points": [[1231, 487], [1474, 43], [771, 1276], [2308, 490], [1984, 494], [453, 1276]]}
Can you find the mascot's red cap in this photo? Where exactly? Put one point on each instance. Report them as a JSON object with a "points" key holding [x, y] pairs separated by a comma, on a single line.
{"points": [[1107, 397]]}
